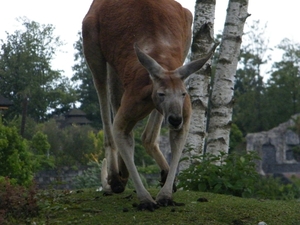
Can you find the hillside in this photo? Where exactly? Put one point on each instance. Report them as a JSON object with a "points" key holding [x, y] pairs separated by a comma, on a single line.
{"points": [[90, 207]]}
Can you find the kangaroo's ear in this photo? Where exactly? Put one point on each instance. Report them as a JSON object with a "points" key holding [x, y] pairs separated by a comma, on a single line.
{"points": [[149, 63], [191, 67]]}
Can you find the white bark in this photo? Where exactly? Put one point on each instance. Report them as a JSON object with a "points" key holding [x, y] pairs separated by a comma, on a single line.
{"points": [[222, 93], [198, 83]]}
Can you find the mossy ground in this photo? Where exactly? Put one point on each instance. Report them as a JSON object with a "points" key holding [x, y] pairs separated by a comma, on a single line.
{"points": [[88, 207]]}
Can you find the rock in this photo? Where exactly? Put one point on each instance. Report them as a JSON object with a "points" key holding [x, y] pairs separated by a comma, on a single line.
{"points": [[275, 148], [262, 223]]}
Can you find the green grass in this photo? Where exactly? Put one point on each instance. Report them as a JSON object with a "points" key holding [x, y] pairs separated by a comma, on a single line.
{"points": [[88, 207]]}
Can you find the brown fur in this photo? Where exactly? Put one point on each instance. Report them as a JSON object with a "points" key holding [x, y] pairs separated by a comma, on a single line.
{"points": [[133, 82]]}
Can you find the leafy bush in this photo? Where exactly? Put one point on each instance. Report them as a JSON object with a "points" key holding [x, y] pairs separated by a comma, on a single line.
{"points": [[17, 202], [236, 137], [90, 177], [30, 126], [130, 183], [225, 174], [15, 157], [236, 175], [39, 146], [72, 145], [273, 188], [151, 169]]}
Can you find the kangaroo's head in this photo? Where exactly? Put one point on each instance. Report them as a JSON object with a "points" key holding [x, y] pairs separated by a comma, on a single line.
{"points": [[169, 93]]}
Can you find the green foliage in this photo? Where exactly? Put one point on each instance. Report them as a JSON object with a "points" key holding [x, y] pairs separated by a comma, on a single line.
{"points": [[296, 127], [296, 152], [284, 83], [233, 174], [54, 138], [225, 174], [84, 86], [249, 86], [30, 126], [236, 137], [90, 177], [17, 202], [40, 147], [130, 184], [272, 188], [15, 157], [27, 78], [77, 144], [50, 146], [151, 169], [263, 105], [98, 142], [73, 145], [39, 144], [141, 158]]}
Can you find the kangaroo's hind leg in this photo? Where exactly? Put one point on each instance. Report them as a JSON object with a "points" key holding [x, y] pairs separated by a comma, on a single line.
{"points": [[98, 66], [116, 93]]}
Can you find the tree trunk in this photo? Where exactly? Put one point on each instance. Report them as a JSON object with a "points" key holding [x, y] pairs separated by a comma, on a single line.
{"points": [[198, 83], [223, 87]]}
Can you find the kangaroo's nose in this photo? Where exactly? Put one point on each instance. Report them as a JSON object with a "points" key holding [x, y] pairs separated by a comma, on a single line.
{"points": [[175, 121]]}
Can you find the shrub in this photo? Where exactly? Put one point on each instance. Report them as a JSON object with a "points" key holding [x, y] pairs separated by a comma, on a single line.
{"points": [[225, 174], [236, 175], [151, 169], [39, 146], [90, 177], [15, 157], [17, 202], [236, 137], [72, 145], [272, 188]]}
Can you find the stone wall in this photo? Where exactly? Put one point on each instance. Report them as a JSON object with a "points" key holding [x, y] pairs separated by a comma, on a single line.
{"points": [[275, 149], [58, 179], [63, 178]]}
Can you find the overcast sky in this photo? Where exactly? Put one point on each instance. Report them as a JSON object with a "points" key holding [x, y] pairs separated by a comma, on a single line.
{"points": [[282, 18]]}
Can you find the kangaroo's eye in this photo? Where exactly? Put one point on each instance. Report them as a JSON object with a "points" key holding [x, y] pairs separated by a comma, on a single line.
{"points": [[183, 94], [161, 94]]}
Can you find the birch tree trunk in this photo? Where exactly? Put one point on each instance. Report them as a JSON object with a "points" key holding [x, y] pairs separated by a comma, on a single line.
{"points": [[198, 83], [223, 87]]}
